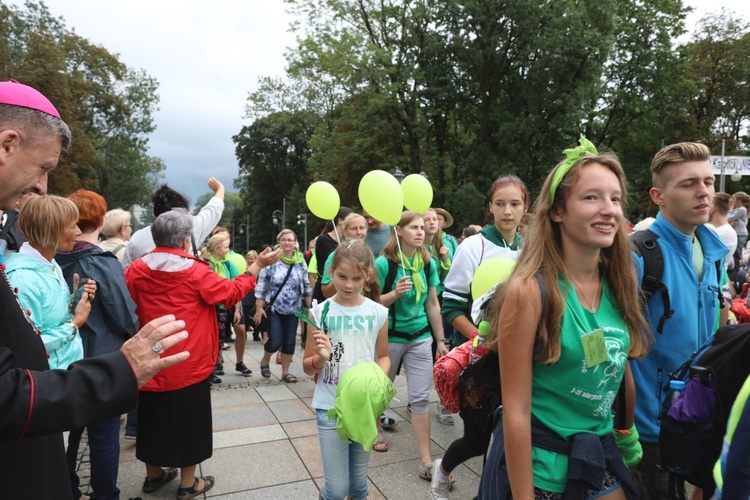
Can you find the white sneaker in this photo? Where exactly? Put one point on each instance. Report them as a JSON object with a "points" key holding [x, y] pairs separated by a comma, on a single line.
{"points": [[438, 488]]}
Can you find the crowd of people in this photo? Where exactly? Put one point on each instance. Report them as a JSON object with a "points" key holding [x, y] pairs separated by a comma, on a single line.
{"points": [[100, 321]]}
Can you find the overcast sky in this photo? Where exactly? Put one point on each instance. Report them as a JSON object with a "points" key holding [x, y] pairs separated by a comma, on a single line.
{"points": [[207, 57]]}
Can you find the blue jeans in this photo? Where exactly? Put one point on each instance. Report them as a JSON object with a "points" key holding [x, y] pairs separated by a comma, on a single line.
{"points": [[282, 332], [344, 465], [104, 452], [131, 424]]}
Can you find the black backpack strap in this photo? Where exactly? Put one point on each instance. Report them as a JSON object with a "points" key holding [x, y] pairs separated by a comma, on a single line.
{"points": [[388, 287], [645, 244]]}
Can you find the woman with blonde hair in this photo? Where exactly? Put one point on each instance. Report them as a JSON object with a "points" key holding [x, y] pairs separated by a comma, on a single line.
{"points": [[565, 325], [216, 252], [354, 228], [50, 225], [117, 229]]}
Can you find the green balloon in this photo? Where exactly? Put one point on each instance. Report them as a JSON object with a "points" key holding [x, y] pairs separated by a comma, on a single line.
{"points": [[490, 273], [323, 200], [381, 195], [417, 193]]}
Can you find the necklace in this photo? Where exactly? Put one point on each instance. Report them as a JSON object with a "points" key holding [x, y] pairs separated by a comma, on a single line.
{"points": [[592, 307]]}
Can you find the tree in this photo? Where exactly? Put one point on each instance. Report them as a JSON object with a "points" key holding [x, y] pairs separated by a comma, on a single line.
{"points": [[468, 90], [719, 71], [108, 106], [273, 152]]}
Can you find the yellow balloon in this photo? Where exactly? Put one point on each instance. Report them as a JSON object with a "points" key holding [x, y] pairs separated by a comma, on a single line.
{"points": [[417, 193], [323, 200], [490, 273], [381, 195]]}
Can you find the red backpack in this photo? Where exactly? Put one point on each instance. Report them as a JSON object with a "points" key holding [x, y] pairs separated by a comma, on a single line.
{"points": [[446, 374]]}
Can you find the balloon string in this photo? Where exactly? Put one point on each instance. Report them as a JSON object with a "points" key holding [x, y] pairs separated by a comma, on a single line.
{"points": [[336, 232], [398, 243]]}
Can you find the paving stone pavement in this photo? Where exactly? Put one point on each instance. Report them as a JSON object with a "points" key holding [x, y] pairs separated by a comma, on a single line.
{"points": [[266, 444]]}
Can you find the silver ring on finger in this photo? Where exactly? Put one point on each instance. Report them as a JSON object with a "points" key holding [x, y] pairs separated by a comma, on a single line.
{"points": [[157, 348]]}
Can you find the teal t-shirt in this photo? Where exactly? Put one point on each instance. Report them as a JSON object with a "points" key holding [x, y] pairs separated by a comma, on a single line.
{"points": [[411, 316], [570, 397], [327, 278]]}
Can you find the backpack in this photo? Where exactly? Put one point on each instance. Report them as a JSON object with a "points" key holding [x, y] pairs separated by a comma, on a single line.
{"points": [[693, 426], [646, 245], [446, 374], [479, 389]]}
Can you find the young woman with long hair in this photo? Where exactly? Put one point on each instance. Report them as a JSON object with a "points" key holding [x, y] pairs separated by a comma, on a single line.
{"points": [[565, 325]]}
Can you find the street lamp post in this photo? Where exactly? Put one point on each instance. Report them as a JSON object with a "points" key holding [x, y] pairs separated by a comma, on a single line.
{"points": [[399, 175], [302, 220], [243, 230], [276, 218]]}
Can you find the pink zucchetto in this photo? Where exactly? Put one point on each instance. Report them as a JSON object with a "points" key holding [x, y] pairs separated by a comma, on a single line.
{"points": [[18, 94]]}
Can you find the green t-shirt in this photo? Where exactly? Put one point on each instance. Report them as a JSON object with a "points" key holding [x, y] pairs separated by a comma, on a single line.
{"points": [[411, 316], [569, 397], [327, 278], [312, 266]]}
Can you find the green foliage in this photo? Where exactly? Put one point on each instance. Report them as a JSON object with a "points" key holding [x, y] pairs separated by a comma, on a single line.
{"points": [[108, 106], [273, 153], [468, 90]]}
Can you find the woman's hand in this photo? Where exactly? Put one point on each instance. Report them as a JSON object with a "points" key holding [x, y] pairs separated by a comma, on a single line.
{"points": [[403, 286], [442, 349], [259, 315], [444, 253], [83, 309], [237, 317]]}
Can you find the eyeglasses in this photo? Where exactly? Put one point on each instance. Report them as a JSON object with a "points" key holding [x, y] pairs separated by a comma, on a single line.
{"points": [[287, 241], [128, 225]]}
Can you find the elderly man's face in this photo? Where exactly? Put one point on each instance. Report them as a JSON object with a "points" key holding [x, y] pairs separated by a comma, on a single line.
{"points": [[25, 164]]}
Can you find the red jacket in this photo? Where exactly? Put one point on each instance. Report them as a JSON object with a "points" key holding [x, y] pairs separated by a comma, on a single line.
{"points": [[190, 291]]}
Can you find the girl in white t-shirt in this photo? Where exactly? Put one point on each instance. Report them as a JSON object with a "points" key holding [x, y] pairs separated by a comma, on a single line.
{"points": [[354, 330]]}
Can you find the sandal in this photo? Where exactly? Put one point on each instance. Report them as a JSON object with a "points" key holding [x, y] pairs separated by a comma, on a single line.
{"points": [[219, 369], [244, 370], [193, 491], [289, 378], [380, 444], [265, 371], [426, 473], [151, 484]]}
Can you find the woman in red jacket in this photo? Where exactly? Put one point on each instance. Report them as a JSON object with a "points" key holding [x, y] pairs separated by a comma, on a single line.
{"points": [[170, 278]]}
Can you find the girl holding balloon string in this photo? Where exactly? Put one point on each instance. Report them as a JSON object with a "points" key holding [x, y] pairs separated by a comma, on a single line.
{"points": [[414, 319]]}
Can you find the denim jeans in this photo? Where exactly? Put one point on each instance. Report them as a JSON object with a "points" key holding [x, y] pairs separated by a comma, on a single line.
{"points": [[282, 332], [131, 424], [344, 465], [104, 452]]}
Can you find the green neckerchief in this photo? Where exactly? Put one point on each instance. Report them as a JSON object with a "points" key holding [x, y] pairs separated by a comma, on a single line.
{"points": [[416, 266], [493, 235], [219, 265], [296, 258]]}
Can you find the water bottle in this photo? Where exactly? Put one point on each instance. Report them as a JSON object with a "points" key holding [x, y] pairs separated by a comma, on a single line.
{"points": [[675, 390], [478, 350]]}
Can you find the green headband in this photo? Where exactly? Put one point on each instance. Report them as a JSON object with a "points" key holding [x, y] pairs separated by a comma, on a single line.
{"points": [[573, 155]]}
